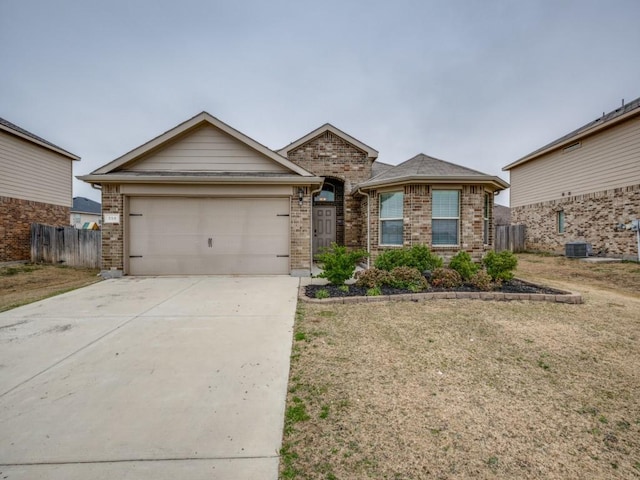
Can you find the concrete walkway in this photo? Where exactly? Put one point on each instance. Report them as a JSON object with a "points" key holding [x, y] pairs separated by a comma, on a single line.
{"points": [[159, 378]]}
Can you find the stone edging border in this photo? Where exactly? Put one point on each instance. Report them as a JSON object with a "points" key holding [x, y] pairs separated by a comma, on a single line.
{"points": [[567, 297]]}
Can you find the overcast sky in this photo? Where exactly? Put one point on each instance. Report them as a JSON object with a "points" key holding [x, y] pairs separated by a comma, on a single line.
{"points": [[478, 83]]}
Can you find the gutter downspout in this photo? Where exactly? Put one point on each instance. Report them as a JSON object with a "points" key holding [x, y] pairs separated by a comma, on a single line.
{"points": [[368, 226], [311, 194]]}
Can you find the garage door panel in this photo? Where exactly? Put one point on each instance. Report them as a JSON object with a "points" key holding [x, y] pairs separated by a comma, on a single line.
{"points": [[208, 236]]}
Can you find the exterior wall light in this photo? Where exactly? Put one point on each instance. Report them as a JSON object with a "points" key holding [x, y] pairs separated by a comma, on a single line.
{"points": [[300, 196]]}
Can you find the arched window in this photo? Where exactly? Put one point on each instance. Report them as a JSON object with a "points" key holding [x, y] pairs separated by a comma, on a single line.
{"points": [[328, 194]]}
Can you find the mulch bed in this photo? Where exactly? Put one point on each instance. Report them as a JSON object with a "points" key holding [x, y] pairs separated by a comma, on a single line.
{"points": [[511, 286]]}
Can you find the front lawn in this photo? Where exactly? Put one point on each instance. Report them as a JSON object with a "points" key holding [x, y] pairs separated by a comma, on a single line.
{"points": [[25, 283], [470, 388]]}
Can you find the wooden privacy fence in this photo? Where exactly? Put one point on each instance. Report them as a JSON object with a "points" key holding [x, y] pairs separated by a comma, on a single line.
{"points": [[510, 237], [65, 245]]}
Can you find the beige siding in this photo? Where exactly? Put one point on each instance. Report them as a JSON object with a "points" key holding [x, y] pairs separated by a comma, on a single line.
{"points": [[207, 149], [30, 172], [607, 160]]}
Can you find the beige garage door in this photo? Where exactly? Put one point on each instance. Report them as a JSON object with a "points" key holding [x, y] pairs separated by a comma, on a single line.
{"points": [[208, 236]]}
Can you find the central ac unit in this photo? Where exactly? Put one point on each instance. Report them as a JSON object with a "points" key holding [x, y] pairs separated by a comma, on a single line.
{"points": [[576, 249]]}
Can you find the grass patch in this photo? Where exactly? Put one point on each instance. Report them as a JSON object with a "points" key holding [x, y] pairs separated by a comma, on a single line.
{"points": [[28, 283], [479, 389]]}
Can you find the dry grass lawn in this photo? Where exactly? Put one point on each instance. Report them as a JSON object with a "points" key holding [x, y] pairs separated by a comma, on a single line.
{"points": [[451, 389], [22, 284]]}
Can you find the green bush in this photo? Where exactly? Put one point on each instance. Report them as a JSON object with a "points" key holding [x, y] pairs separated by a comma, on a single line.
{"points": [[374, 292], [418, 256], [409, 278], [373, 277], [338, 264], [445, 278], [322, 293], [482, 281], [500, 266], [463, 264]]}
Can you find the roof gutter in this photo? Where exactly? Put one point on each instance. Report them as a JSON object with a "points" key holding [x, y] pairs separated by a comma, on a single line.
{"points": [[493, 180], [204, 180]]}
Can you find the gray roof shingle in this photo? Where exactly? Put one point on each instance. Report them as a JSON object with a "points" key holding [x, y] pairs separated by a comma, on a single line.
{"points": [[86, 205]]}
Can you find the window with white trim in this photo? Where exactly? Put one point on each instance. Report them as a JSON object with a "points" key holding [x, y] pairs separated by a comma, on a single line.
{"points": [[485, 218], [391, 218], [445, 217]]}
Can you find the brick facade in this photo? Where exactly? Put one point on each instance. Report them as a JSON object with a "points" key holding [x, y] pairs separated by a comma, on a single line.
{"points": [[590, 218], [417, 221], [113, 233], [300, 226], [16, 217], [328, 155]]}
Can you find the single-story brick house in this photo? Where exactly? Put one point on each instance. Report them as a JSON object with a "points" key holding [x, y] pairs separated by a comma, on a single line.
{"points": [[35, 187], [204, 198], [579, 187]]}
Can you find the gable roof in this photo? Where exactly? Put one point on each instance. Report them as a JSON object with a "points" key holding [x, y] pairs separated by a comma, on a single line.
{"points": [[607, 120], [327, 127], [425, 169], [13, 129], [85, 205], [194, 122]]}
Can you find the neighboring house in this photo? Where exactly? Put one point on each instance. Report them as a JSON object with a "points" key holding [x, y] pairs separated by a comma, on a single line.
{"points": [[501, 215], [581, 186], [35, 187], [85, 210], [204, 198]]}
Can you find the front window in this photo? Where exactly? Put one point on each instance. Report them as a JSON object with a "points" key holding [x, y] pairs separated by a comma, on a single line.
{"points": [[445, 217], [391, 215], [560, 221]]}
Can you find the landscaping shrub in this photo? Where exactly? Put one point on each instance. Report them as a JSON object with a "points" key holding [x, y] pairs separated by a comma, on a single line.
{"points": [[374, 292], [500, 266], [418, 256], [445, 278], [409, 278], [482, 281], [373, 277], [464, 265], [338, 264]]}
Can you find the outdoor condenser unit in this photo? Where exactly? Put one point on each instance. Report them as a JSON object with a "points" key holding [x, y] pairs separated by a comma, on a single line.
{"points": [[576, 249]]}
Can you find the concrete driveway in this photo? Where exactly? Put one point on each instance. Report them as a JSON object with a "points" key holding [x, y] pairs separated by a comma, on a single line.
{"points": [[163, 378]]}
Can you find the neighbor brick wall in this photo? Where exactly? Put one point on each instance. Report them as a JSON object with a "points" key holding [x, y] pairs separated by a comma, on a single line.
{"points": [[16, 217], [328, 155], [590, 218], [417, 221], [112, 233]]}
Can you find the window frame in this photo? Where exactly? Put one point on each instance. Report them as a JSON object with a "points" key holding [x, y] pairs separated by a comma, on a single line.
{"points": [[382, 219], [435, 219], [332, 189], [485, 218], [560, 222]]}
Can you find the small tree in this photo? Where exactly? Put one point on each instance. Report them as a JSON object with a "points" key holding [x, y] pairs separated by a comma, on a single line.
{"points": [[338, 264]]}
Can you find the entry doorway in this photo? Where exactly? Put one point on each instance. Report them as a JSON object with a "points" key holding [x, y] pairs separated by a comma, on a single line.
{"points": [[324, 227]]}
